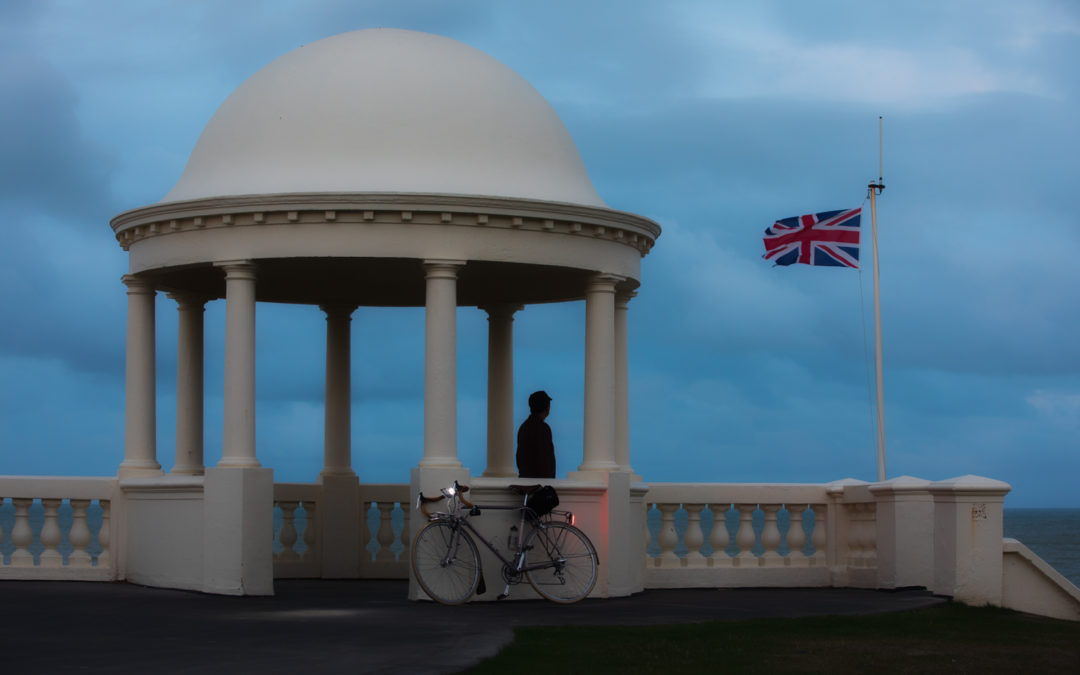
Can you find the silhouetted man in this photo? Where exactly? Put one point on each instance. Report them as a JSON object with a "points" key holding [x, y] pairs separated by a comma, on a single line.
{"points": [[535, 450]]}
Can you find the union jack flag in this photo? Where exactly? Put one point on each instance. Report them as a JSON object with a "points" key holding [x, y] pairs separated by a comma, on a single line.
{"points": [[830, 238]]}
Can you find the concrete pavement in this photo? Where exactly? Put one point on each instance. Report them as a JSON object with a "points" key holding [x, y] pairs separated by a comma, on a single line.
{"points": [[342, 626]]}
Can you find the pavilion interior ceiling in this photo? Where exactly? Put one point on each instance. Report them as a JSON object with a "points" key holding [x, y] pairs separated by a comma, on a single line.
{"points": [[384, 282]]}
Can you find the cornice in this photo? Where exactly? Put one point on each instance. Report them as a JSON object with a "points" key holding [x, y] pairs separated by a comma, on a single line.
{"points": [[358, 208]]}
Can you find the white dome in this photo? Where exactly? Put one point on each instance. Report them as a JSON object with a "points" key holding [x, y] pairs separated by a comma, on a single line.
{"points": [[385, 110]]}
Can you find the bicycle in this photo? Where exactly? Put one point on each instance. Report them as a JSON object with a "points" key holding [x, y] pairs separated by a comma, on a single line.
{"points": [[556, 558]]}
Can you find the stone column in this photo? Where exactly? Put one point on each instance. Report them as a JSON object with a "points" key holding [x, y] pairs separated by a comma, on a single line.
{"points": [[500, 390], [440, 365], [622, 383], [599, 439], [238, 442], [140, 414], [337, 451], [189, 384]]}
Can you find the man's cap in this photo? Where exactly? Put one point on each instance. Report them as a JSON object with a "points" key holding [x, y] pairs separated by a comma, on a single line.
{"points": [[538, 400]]}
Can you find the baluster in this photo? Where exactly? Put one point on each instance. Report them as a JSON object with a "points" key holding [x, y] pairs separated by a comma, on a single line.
{"points": [[1, 536], [719, 537], [694, 537], [770, 536], [745, 538], [311, 531], [287, 535], [796, 535], [79, 535], [369, 533], [668, 538], [50, 535], [21, 535], [104, 558], [647, 535], [385, 535]]}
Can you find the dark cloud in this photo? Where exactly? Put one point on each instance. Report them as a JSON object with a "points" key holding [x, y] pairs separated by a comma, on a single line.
{"points": [[47, 164]]}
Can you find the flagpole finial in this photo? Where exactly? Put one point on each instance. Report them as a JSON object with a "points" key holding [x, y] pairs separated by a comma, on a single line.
{"points": [[880, 184]]}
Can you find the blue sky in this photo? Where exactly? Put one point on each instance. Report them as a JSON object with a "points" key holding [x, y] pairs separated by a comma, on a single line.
{"points": [[714, 119]]}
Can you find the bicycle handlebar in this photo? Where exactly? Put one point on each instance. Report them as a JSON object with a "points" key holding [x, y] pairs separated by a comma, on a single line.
{"points": [[457, 490]]}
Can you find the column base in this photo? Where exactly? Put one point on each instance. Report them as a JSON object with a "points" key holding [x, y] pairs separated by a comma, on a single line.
{"points": [[440, 463], [591, 475], [499, 474], [239, 463], [187, 471], [146, 468]]}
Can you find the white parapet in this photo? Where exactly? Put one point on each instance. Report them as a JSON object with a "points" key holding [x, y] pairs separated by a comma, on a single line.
{"points": [[1030, 585], [92, 556]]}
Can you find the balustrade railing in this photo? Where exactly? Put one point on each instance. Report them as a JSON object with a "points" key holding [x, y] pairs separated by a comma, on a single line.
{"points": [[297, 541], [299, 544], [385, 514], [56, 528], [728, 535]]}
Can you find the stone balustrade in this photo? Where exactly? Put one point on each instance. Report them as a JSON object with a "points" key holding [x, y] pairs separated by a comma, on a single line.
{"points": [[54, 528], [385, 513], [300, 549], [730, 535], [297, 544]]}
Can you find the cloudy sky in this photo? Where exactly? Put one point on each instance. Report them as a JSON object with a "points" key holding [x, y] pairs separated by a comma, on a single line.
{"points": [[712, 118]]}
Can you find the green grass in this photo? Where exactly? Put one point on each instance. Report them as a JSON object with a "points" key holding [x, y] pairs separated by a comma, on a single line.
{"points": [[949, 638]]}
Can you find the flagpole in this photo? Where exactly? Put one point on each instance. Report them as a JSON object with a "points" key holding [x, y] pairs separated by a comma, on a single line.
{"points": [[874, 190]]}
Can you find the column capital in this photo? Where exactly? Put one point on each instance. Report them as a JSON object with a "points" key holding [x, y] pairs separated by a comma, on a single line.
{"points": [[442, 269], [137, 285], [623, 298], [337, 309], [188, 300], [501, 310], [603, 282], [237, 269]]}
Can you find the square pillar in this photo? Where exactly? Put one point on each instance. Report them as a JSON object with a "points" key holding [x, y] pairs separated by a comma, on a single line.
{"points": [[968, 538], [905, 533], [238, 531]]}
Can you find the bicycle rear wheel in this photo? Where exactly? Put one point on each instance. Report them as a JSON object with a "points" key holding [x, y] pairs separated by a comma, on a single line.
{"points": [[569, 562], [445, 562]]}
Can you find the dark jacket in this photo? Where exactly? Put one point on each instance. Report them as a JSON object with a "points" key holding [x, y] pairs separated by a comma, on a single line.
{"points": [[535, 449]]}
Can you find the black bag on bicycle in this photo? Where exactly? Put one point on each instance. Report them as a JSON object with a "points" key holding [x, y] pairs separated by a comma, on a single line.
{"points": [[543, 500]]}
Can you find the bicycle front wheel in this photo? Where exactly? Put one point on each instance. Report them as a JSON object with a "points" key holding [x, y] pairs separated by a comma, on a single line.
{"points": [[445, 562], [565, 563]]}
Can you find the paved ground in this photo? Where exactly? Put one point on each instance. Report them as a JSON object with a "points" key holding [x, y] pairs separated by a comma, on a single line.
{"points": [[341, 626]]}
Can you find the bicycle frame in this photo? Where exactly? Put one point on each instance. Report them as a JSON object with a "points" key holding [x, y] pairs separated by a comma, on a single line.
{"points": [[460, 521]]}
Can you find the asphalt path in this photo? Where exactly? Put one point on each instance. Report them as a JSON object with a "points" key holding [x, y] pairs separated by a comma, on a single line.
{"points": [[343, 626]]}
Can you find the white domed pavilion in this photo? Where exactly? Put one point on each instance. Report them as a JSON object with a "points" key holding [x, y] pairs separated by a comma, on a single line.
{"points": [[376, 168]]}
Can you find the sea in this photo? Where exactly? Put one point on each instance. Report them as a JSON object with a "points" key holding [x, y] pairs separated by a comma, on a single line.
{"points": [[1053, 534]]}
